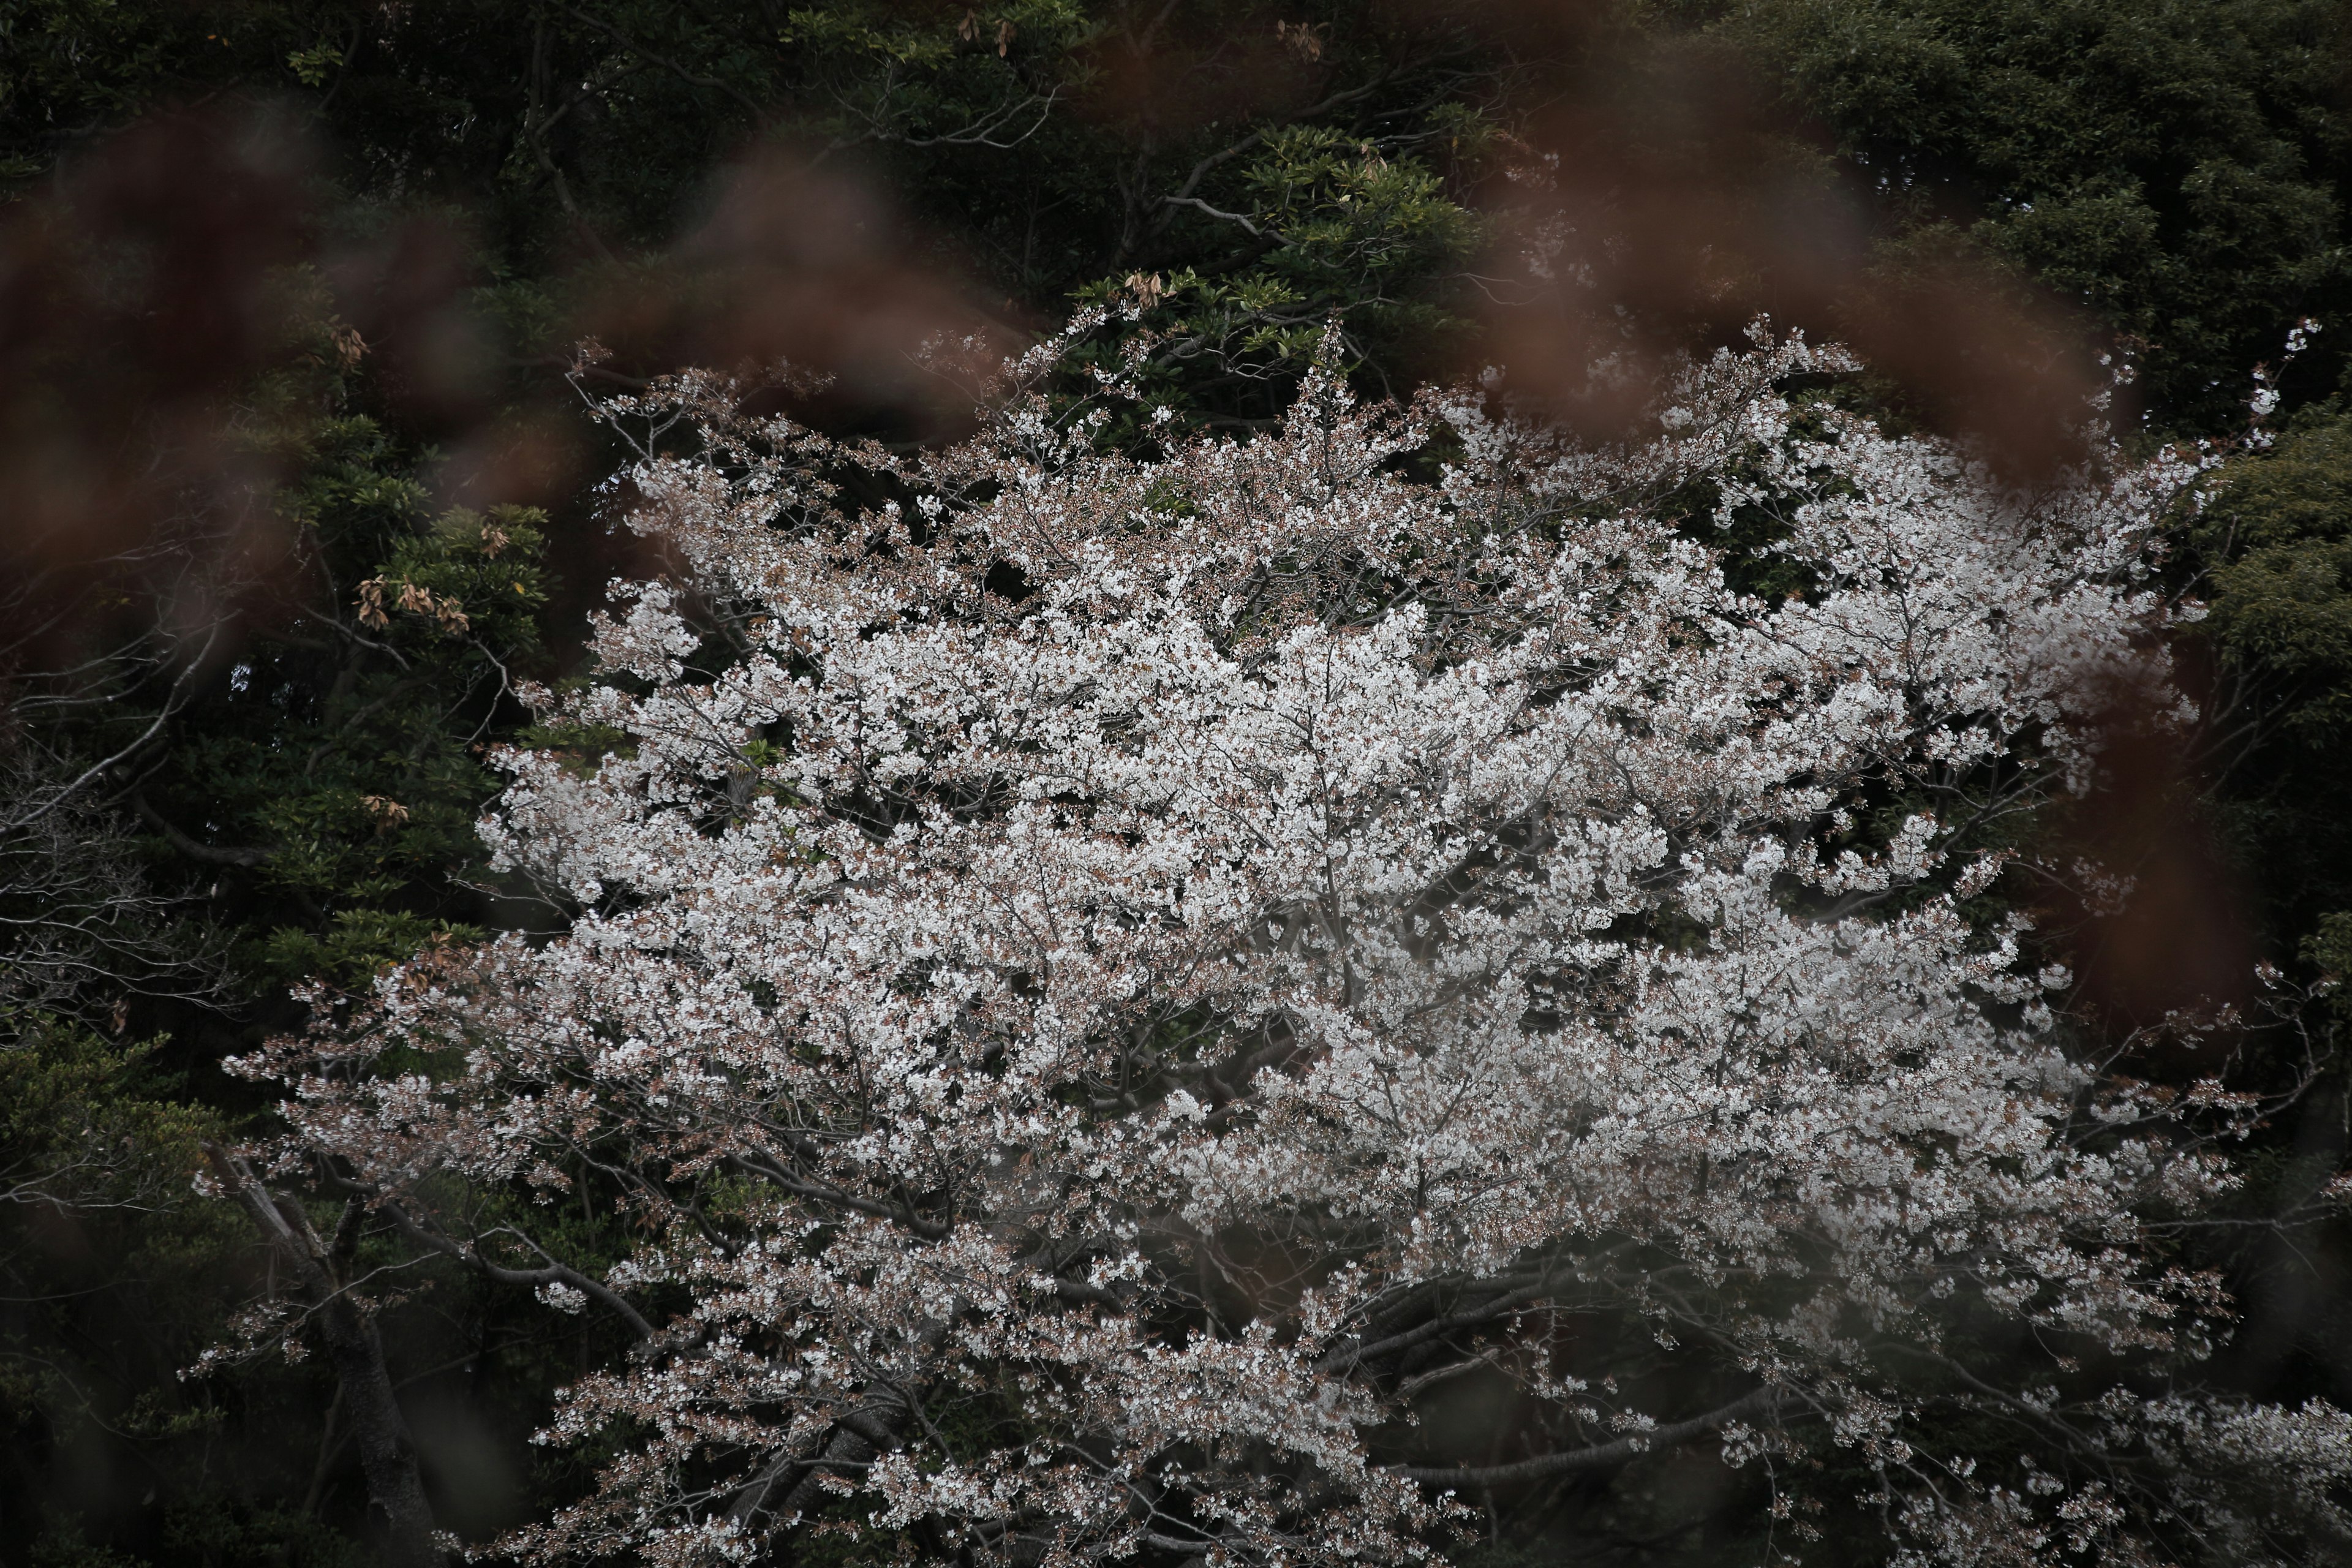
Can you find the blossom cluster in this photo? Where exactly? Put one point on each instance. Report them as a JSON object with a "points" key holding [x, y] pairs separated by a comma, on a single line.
{"points": [[1114, 985]]}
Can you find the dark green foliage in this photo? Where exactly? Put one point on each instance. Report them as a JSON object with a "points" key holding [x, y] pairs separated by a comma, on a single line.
{"points": [[2174, 168], [111, 1265], [1331, 231], [346, 745], [2273, 541], [324, 777], [2268, 546]]}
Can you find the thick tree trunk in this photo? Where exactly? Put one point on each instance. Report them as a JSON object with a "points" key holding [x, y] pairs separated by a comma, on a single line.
{"points": [[790, 1486], [387, 1453]]}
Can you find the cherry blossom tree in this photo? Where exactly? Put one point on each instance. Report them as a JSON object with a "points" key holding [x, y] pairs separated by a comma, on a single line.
{"points": [[1113, 990]]}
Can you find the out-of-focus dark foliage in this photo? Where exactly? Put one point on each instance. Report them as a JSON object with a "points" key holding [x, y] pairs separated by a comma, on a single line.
{"points": [[292, 492]]}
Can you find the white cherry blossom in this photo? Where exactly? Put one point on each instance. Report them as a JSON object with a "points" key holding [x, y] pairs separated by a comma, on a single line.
{"points": [[1108, 982]]}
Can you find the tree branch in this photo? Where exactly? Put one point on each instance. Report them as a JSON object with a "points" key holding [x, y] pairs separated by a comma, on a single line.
{"points": [[189, 846], [387, 1452], [1600, 1456]]}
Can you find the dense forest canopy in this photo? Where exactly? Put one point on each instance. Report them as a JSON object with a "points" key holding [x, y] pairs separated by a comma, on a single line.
{"points": [[326, 330]]}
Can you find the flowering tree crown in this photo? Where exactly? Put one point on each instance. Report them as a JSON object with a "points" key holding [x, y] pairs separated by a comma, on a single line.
{"points": [[1123, 995]]}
